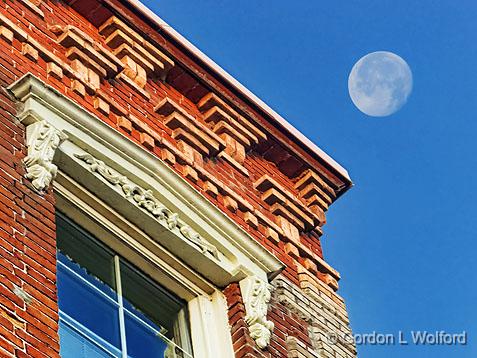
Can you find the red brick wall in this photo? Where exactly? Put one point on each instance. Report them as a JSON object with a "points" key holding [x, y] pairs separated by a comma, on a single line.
{"points": [[29, 35], [287, 324], [244, 346], [28, 308]]}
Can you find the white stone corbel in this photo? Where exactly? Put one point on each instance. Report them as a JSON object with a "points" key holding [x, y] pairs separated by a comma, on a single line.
{"points": [[42, 141], [256, 296]]}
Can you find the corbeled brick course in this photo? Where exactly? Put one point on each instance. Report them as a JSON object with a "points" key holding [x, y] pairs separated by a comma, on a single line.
{"points": [[219, 144]]}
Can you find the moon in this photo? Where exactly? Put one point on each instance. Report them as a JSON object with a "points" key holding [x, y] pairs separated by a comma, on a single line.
{"points": [[380, 83]]}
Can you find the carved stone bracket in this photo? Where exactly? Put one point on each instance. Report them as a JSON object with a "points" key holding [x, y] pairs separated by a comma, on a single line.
{"points": [[256, 296], [42, 141], [144, 198]]}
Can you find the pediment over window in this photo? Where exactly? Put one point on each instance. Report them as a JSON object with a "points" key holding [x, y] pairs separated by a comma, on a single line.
{"points": [[95, 158]]}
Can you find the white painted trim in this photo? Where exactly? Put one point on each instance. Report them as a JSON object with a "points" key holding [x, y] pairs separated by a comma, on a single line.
{"points": [[99, 166], [118, 233], [210, 331], [242, 255], [256, 297], [42, 140]]}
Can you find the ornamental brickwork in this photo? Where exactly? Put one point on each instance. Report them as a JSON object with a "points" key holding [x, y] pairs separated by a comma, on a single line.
{"points": [[113, 61]]}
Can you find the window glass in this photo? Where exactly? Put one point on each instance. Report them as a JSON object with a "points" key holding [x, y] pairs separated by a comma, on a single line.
{"points": [[148, 301], [91, 256], [143, 340], [109, 308], [87, 305], [74, 344]]}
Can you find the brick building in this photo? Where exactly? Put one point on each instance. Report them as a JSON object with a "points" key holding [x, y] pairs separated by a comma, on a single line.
{"points": [[151, 206]]}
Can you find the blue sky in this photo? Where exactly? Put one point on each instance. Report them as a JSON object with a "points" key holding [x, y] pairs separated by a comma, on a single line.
{"points": [[404, 236]]}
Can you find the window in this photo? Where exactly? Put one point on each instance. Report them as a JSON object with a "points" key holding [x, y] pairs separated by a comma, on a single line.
{"points": [[108, 308], [94, 278]]}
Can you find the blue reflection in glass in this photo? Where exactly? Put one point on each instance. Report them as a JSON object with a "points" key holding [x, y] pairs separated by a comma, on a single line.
{"points": [[75, 345], [141, 340], [87, 306], [84, 274]]}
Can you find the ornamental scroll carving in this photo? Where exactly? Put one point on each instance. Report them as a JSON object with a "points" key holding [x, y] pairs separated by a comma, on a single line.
{"points": [[256, 295], [42, 141], [144, 198]]}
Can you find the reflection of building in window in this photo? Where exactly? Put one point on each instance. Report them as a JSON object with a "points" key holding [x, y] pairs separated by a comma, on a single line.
{"points": [[108, 308]]}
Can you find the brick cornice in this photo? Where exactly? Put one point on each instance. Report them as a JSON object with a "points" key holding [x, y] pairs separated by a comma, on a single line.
{"points": [[192, 67]]}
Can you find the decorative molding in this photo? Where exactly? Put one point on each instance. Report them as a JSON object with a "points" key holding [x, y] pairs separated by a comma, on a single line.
{"points": [[141, 58], [42, 141], [195, 138], [323, 311], [144, 198], [237, 132], [294, 307], [256, 296], [240, 255], [297, 349]]}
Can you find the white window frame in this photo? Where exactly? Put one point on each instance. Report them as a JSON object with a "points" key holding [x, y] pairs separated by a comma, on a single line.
{"points": [[118, 303], [206, 305], [60, 132]]}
